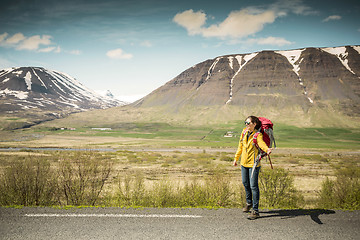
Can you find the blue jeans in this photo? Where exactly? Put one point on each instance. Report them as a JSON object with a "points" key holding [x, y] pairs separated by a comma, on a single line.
{"points": [[251, 186]]}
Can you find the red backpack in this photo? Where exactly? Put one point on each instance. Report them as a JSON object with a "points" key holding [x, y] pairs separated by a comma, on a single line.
{"points": [[268, 136], [267, 131]]}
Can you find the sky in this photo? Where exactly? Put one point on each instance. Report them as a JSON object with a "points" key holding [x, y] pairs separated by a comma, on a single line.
{"points": [[133, 47]]}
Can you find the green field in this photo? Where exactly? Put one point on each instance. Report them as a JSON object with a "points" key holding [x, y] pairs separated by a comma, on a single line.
{"points": [[172, 136]]}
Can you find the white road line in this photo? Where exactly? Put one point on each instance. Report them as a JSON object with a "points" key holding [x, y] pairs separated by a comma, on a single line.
{"points": [[114, 215]]}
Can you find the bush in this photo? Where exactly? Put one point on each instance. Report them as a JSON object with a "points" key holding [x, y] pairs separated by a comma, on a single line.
{"points": [[163, 195], [342, 193], [214, 191], [28, 182], [131, 190], [192, 194], [82, 178], [219, 190], [277, 189]]}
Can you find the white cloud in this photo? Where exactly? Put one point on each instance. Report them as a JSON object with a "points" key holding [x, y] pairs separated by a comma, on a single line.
{"points": [[146, 43], [191, 21], [48, 49], [15, 39], [274, 41], [238, 24], [33, 42], [75, 52], [332, 18], [241, 23], [58, 49], [3, 37], [118, 54]]}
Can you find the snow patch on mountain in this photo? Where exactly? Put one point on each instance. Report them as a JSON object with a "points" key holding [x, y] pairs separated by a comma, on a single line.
{"points": [[18, 73], [231, 62], [357, 48], [6, 71], [293, 57], [72, 83], [341, 54], [28, 80], [239, 58], [210, 70], [18, 94]]}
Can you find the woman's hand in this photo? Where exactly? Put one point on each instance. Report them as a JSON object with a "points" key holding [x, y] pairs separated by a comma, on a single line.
{"points": [[269, 150], [235, 163]]}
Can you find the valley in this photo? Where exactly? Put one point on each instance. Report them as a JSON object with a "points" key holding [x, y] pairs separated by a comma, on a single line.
{"points": [[188, 129], [180, 153]]}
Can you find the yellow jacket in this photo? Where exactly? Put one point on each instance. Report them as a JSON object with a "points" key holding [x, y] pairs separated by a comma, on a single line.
{"points": [[247, 150]]}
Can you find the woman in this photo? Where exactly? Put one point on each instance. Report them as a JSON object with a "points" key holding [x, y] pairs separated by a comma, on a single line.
{"points": [[248, 153]]}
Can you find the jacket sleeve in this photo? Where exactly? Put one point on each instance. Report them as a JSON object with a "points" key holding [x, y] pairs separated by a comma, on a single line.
{"points": [[239, 151], [261, 143], [240, 147]]}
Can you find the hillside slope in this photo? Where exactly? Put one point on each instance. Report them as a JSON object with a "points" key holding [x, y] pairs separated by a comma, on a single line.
{"points": [[310, 84]]}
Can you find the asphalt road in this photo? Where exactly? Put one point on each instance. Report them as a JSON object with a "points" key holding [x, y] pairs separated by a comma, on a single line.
{"points": [[149, 223]]}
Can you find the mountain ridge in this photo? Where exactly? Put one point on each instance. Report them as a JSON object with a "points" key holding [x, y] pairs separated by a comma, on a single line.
{"points": [[38, 94], [302, 87], [301, 82]]}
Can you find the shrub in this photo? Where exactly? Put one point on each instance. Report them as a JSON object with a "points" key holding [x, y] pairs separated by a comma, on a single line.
{"points": [[343, 192], [82, 178], [192, 194], [218, 190], [214, 191], [131, 190], [277, 189], [163, 195], [29, 182]]}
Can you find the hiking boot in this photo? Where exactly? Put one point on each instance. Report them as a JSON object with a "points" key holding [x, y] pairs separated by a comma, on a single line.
{"points": [[247, 208], [253, 215]]}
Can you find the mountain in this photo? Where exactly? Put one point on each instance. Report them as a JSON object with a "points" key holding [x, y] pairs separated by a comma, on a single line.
{"points": [[315, 85], [109, 94], [42, 94]]}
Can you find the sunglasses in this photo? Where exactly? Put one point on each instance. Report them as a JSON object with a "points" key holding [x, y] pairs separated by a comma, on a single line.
{"points": [[247, 123]]}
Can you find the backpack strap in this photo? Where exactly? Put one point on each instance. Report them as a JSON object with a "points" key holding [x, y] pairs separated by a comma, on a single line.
{"points": [[255, 143], [257, 157], [243, 134]]}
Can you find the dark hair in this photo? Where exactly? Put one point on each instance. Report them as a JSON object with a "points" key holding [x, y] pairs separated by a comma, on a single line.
{"points": [[255, 120]]}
